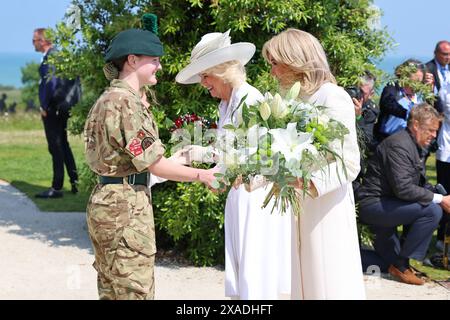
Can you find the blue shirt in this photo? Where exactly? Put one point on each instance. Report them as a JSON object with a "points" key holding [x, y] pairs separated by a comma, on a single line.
{"points": [[393, 123]]}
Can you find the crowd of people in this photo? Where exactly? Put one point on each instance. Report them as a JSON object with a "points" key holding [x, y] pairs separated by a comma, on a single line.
{"points": [[6, 109], [268, 256], [399, 135]]}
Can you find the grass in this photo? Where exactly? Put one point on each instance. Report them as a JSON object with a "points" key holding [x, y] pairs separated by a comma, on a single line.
{"points": [[26, 163], [433, 273]]}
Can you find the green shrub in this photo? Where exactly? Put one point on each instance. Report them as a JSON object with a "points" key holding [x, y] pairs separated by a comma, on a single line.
{"points": [[193, 216]]}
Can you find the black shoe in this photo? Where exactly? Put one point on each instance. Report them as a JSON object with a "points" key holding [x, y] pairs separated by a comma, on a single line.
{"points": [[50, 193], [74, 189]]}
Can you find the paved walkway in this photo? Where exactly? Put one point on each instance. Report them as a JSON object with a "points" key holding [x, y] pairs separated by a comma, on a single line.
{"points": [[47, 255]]}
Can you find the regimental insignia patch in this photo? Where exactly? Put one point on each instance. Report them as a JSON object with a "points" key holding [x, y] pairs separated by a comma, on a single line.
{"points": [[141, 134], [147, 142], [135, 147]]}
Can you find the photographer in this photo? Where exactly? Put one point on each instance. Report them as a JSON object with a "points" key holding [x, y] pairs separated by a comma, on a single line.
{"points": [[366, 112], [394, 192], [397, 100]]}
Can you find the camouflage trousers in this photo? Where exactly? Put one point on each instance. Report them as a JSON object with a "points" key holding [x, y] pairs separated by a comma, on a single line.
{"points": [[122, 231]]}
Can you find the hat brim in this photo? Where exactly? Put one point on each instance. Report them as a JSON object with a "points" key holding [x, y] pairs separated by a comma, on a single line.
{"points": [[242, 51]]}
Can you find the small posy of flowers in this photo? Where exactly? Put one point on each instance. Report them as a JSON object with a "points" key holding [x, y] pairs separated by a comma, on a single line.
{"points": [[281, 139], [191, 129]]}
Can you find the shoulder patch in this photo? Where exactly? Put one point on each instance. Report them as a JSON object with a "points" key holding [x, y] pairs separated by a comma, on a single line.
{"points": [[135, 147], [147, 142], [141, 134]]}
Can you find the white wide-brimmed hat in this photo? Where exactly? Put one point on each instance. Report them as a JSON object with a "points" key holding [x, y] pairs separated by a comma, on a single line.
{"points": [[213, 49]]}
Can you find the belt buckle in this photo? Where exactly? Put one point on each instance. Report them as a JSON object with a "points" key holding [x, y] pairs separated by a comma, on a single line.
{"points": [[133, 178]]}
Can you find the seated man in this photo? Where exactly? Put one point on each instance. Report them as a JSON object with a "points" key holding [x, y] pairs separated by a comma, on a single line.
{"points": [[394, 192]]}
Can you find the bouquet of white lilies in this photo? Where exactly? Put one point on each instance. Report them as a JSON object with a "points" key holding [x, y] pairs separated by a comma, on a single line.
{"points": [[282, 140]]}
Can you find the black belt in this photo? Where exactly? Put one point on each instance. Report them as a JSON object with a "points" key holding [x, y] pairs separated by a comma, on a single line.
{"points": [[134, 179]]}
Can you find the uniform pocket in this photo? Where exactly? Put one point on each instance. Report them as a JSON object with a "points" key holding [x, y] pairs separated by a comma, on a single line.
{"points": [[132, 268], [139, 242]]}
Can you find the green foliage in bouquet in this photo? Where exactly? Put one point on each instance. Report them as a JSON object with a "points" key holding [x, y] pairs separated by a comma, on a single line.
{"points": [[345, 29], [281, 139]]}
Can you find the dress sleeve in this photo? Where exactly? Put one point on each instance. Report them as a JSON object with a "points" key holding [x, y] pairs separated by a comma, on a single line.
{"points": [[339, 107]]}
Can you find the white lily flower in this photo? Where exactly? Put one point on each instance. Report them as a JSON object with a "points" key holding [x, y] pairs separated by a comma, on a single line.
{"points": [[293, 92], [291, 143], [268, 96], [278, 107], [264, 110], [323, 119]]}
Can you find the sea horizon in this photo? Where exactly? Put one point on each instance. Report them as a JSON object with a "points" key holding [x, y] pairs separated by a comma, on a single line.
{"points": [[12, 62]]}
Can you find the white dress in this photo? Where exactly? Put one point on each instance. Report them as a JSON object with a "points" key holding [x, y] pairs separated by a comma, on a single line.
{"points": [[330, 262], [257, 243]]}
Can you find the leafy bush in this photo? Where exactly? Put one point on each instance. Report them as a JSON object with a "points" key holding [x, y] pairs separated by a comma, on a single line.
{"points": [[30, 80], [194, 217]]}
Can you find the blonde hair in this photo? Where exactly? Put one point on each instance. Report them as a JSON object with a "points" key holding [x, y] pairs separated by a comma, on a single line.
{"points": [[231, 72], [304, 57]]}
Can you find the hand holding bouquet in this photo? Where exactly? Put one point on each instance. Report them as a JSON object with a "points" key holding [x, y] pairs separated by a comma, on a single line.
{"points": [[282, 139]]}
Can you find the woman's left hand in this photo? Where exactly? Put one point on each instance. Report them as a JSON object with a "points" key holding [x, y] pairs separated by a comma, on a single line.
{"points": [[298, 184]]}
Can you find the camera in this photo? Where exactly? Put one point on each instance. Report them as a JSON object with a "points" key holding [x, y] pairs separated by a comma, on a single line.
{"points": [[354, 92], [440, 189]]}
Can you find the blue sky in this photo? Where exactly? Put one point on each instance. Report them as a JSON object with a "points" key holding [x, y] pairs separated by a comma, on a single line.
{"points": [[18, 19], [415, 24]]}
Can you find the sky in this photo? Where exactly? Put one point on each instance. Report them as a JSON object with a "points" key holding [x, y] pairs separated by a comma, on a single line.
{"points": [[18, 19], [416, 25]]}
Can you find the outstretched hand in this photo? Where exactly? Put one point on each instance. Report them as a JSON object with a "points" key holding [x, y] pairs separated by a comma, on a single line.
{"points": [[196, 153], [208, 177]]}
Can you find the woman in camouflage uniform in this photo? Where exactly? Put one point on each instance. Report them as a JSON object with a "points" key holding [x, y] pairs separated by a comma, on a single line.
{"points": [[122, 147]]}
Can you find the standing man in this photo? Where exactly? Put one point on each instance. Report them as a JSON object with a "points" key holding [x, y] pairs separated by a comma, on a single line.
{"points": [[55, 119], [438, 67]]}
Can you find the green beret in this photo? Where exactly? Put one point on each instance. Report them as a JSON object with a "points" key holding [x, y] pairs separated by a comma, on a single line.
{"points": [[134, 41]]}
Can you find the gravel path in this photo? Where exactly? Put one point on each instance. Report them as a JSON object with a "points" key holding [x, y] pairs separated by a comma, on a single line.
{"points": [[48, 255]]}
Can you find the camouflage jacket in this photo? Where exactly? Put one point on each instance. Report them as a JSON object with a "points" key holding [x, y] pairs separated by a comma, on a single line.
{"points": [[121, 137]]}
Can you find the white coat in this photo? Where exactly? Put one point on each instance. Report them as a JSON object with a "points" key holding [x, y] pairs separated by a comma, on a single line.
{"points": [[330, 264]]}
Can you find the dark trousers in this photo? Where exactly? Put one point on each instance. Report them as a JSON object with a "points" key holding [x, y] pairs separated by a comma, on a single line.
{"points": [[385, 215], [55, 126], [443, 177]]}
